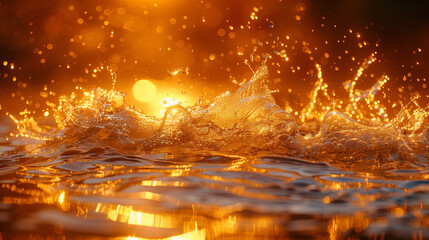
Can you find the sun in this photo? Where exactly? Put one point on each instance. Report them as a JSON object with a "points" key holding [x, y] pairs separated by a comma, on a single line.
{"points": [[144, 90]]}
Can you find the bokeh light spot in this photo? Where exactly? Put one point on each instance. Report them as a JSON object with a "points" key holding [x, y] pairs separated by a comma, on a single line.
{"points": [[144, 90]]}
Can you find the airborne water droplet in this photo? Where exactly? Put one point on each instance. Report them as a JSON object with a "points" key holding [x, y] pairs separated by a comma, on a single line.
{"points": [[174, 72], [271, 24]]}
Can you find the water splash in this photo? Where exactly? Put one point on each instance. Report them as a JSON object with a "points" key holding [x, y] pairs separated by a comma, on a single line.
{"points": [[246, 121], [174, 72]]}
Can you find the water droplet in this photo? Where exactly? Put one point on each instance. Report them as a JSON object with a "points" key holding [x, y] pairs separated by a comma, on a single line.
{"points": [[174, 72], [271, 24]]}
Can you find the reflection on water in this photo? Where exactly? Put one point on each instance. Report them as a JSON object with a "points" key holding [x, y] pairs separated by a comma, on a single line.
{"points": [[105, 169], [94, 191], [345, 159]]}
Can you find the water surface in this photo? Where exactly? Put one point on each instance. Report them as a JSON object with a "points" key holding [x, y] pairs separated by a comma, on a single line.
{"points": [[88, 191]]}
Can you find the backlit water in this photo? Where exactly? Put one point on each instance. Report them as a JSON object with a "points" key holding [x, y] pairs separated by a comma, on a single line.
{"points": [[207, 172], [87, 191], [132, 119]]}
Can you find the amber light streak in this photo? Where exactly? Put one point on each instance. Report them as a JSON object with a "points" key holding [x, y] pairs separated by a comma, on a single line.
{"points": [[197, 234], [128, 215]]}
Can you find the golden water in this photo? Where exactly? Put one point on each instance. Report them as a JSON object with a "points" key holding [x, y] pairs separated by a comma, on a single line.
{"points": [[347, 159], [239, 167]]}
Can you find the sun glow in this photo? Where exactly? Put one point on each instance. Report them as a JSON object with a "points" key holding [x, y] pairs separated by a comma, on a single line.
{"points": [[144, 90]]}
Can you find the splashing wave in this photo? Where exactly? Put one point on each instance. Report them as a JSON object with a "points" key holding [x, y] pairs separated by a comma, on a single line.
{"points": [[246, 121]]}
